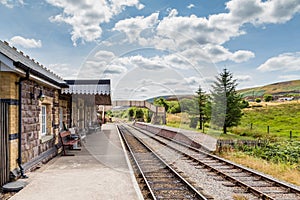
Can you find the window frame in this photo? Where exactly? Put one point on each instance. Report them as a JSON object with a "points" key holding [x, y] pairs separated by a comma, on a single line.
{"points": [[43, 120]]}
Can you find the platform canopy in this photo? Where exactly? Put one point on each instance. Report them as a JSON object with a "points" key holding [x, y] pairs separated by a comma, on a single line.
{"points": [[100, 89]]}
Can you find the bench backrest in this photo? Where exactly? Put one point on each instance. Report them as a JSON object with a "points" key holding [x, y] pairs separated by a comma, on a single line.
{"points": [[64, 134]]}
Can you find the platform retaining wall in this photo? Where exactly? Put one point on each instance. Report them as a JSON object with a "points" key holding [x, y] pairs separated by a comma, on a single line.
{"points": [[177, 136]]}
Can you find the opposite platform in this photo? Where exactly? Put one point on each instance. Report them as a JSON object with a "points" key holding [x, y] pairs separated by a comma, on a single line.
{"points": [[98, 171]]}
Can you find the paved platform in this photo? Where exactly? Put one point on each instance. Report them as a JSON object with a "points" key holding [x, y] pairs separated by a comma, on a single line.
{"points": [[98, 171]]}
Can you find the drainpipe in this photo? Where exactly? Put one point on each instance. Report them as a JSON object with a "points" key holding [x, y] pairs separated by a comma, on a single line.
{"points": [[20, 124]]}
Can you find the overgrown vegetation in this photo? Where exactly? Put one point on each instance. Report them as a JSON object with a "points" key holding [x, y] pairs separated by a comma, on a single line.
{"points": [[133, 113], [286, 152], [278, 170]]}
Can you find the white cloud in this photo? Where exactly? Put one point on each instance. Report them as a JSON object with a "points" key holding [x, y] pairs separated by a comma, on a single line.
{"points": [[242, 56], [12, 3], [115, 70], [133, 27], [289, 77], [63, 70], [282, 62], [86, 16], [243, 78], [218, 53], [26, 43], [103, 55], [190, 6], [154, 63], [184, 33]]}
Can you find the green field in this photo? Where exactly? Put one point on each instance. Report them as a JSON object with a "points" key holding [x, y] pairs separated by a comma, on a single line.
{"points": [[281, 119]]}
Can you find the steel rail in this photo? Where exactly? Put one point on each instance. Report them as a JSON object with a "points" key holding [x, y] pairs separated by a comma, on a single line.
{"points": [[234, 165], [185, 182], [136, 163]]}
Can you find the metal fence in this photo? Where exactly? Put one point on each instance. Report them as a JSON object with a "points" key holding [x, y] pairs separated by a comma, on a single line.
{"points": [[4, 148]]}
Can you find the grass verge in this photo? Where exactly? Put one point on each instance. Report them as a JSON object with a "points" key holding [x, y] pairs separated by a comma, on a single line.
{"points": [[280, 171]]}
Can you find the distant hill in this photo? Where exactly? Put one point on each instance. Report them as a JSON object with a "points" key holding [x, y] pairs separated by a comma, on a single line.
{"points": [[276, 89], [171, 97]]}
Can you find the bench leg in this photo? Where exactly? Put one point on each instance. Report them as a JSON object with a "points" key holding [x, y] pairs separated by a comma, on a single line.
{"points": [[65, 153]]}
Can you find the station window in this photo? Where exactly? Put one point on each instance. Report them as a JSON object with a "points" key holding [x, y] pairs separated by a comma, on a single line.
{"points": [[44, 120]]}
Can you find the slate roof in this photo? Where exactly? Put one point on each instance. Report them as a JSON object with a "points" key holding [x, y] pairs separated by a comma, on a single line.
{"points": [[100, 87], [19, 56]]}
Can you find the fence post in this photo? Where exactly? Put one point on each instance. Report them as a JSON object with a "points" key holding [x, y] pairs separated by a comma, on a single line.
{"points": [[251, 126], [268, 129]]}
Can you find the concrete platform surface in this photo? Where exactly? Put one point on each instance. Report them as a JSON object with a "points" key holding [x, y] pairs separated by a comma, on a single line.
{"points": [[98, 171]]}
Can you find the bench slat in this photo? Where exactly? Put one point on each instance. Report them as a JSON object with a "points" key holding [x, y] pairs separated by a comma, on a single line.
{"points": [[67, 141]]}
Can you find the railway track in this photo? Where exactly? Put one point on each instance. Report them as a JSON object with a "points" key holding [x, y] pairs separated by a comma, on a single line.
{"points": [[251, 181], [159, 180]]}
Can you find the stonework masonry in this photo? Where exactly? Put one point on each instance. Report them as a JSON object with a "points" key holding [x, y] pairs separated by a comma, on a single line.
{"points": [[32, 143]]}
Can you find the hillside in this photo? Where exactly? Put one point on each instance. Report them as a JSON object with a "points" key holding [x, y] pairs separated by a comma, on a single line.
{"points": [[277, 89]]}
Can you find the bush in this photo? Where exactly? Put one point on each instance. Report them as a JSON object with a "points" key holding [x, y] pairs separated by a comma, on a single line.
{"points": [[268, 98], [278, 152], [139, 114], [244, 104], [257, 100]]}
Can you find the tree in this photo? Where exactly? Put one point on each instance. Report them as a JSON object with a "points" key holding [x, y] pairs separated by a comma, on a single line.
{"points": [[201, 100], [139, 114], [161, 102], [226, 102], [174, 107], [131, 112], [189, 106], [268, 97], [244, 104]]}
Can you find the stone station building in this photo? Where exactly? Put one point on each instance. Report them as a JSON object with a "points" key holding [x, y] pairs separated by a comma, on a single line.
{"points": [[35, 104]]}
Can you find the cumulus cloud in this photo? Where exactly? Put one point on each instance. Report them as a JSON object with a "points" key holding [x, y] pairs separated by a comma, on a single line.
{"points": [[133, 27], [115, 69], [289, 77], [184, 33], [218, 53], [63, 70], [25, 42], [12, 3], [243, 78], [153, 63], [190, 6], [282, 62], [86, 16]]}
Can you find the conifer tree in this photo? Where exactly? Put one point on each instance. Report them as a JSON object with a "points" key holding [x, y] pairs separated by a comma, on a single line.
{"points": [[226, 102]]}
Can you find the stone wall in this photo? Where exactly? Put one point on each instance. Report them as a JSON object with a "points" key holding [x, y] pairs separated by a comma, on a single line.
{"points": [[33, 144]]}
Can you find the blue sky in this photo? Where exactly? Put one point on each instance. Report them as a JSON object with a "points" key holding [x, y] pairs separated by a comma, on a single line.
{"points": [[158, 47]]}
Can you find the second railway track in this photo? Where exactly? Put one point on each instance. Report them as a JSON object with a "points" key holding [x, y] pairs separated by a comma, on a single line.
{"points": [[159, 179], [263, 187]]}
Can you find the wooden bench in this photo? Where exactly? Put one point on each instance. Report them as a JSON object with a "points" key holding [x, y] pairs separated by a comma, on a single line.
{"points": [[67, 141]]}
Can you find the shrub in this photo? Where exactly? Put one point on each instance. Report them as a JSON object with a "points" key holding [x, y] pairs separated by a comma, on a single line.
{"points": [[244, 104], [268, 98], [257, 100]]}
